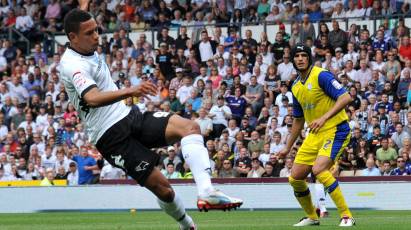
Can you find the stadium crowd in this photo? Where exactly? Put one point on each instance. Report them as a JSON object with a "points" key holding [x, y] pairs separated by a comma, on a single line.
{"points": [[236, 88]]}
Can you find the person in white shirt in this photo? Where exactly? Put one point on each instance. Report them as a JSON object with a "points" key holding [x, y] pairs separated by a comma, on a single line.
{"points": [[41, 119], [54, 66], [349, 69], [61, 161], [286, 171], [232, 128], [283, 92], [183, 93], [206, 48], [286, 69], [73, 175], [339, 11], [108, 172], [268, 57], [244, 75], [259, 62], [363, 75], [351, 54], [352, 11], [28, 122], [203, 75], [17, 90], [48, 160], [220, 113], [24, 22], [276, 145], [205, 123]]}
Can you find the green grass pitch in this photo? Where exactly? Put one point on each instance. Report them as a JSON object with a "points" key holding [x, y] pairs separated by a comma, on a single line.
{"points": [[235, 220]]}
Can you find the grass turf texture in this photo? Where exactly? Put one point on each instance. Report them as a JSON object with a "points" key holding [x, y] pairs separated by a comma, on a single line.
{"points": [[238, 220]]}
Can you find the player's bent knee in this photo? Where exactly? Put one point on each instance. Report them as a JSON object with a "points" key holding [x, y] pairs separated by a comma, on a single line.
{"points": [[318, 169], [165, 194]]}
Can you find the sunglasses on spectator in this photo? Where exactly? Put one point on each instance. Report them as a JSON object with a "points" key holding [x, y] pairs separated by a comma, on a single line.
{"points": [[226, 163], [400, 161]]}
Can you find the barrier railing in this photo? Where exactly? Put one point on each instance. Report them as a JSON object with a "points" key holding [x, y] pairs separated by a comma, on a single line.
{"points": [[371, 23]]}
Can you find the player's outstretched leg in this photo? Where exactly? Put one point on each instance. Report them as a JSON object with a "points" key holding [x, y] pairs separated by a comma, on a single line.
{"points": [[297, 179], [196, 156], [320, 198], [168, 200], [324, 176]]}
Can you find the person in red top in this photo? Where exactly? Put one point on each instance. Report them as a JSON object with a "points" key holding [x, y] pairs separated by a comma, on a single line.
{"points": [[11, 19], [129, 9], [405, 48]]}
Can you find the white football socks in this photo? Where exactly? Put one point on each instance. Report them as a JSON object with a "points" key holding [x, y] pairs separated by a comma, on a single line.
{"points": [[176, 210], [196, 156], [320, 196]]}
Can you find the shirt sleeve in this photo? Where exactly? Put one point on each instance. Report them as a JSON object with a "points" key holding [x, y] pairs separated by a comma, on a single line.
{"points": [[82, 81], [330, 85], [297, 109]]}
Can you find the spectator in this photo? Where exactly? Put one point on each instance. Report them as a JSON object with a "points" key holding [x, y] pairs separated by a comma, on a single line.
{"points": [[306, 28], [386, 169], [402, 169], [399, 136], [371, 170], [256, 144], [164, 61], [108, 172], [385, 153], [170, 172], [227, 170], [286, 171], [205, 49], [205, 123], [337, 37], [405, 48], [48, 178], [254, 94], [73, 174], [243, 164], [219, 113], [276, 145], [256, 169], [86, 164], [24, 22], [173, 158]]}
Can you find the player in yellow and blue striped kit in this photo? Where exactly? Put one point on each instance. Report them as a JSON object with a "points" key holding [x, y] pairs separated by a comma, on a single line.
{"points": [[319, 100]]}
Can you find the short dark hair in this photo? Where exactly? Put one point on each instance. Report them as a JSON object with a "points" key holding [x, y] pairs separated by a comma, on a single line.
{"points": [[73, 19]]}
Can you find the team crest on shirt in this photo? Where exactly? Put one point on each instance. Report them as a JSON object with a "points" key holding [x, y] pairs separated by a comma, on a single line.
{"points": [[327, 144], [309, 86], [142, 166], [118, 161], [78, 79]]}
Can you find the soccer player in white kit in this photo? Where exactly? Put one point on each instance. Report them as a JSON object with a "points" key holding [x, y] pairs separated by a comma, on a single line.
{"points": [[123, 135]]}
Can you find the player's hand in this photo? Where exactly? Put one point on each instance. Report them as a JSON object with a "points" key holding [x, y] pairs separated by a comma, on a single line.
{"points": [[317, 124], [283, 152], [144, 89], [83, 4]]}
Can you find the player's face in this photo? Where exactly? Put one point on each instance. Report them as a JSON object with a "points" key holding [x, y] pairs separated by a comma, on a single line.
{"points": [[301, 61], [87, 37]]}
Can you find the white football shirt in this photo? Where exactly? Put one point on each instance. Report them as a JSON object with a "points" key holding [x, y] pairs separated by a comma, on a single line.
{"points": [[81, 73]]}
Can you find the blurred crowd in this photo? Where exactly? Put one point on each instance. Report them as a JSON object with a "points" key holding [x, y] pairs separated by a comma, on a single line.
{"points": [[236, 88]]}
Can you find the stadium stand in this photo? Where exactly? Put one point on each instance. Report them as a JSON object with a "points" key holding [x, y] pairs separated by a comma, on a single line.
{"points": [[224, 64]]}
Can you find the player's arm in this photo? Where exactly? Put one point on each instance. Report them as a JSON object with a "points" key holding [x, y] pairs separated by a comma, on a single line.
{"points": [[298, 125], [96, 98], [337, 92]]}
